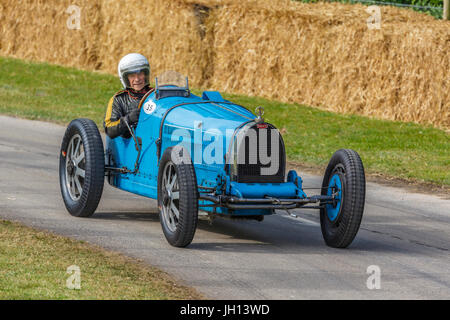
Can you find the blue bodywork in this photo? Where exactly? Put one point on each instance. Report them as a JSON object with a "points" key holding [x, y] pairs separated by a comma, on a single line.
{"points": [[205, 118], [335, 183]]}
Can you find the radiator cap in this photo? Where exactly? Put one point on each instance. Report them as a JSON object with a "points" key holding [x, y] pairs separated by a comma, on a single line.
{"points": [[260, 112]]}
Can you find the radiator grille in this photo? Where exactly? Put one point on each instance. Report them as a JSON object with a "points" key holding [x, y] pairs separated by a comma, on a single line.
{"points": [[258, 161]]}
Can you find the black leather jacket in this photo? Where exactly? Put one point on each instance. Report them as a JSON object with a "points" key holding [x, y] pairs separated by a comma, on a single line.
{"points": [[122, 103]]}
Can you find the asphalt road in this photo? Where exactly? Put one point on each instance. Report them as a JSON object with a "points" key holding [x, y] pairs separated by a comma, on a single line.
{"points": [[405, 235]]}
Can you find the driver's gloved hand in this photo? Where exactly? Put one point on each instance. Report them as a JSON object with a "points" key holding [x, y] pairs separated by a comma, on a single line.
{"points": [[133, 117]]}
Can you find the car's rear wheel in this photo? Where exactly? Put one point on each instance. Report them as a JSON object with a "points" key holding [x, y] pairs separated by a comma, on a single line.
{"points": [[81, 167], [344, 177], [177, 197]]}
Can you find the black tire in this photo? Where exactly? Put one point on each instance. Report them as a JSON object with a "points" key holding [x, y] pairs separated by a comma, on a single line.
{"points": [[340, 222], [179, 231], [76, 172]]}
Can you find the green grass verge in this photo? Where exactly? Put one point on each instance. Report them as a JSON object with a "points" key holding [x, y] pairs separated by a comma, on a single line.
{"points": [[395, 149], [33, 265]]}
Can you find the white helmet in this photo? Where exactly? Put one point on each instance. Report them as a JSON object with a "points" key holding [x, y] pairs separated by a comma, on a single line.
{"points": [[133, 63]]}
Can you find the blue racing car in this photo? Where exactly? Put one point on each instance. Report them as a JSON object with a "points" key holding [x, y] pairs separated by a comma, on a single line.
{"points": [[204, 156]]}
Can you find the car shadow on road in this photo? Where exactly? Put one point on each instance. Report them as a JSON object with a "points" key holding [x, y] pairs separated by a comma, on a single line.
{"points": [[229, 235], [280, 236], [270, 236], [149, 215]]}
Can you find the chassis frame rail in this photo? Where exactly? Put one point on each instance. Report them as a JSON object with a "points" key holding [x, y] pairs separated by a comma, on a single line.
{"points": [[266, 203]]}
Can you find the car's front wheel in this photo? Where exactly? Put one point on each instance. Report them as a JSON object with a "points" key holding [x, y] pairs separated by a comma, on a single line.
{"points": [[177, 196], [81, 167], [344, 178]]}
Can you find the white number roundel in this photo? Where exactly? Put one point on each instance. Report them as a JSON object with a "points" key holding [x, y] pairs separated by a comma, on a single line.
{"points": [[149, 107]]}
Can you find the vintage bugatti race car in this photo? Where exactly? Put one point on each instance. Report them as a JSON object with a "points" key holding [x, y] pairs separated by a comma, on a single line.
{"points": [[204, 157]]}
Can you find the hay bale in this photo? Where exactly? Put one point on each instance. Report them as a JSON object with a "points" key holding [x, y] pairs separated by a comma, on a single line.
{"points": [[318, 54], [324, 55], [164, 31], [37, 30]]}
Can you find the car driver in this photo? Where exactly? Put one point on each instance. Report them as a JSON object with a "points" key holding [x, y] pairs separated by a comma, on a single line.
{"points": [[134, 73]]}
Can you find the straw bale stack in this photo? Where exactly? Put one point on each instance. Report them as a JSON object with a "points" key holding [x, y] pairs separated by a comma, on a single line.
{"points": [[37, 30], [166, 32], [320, 54], [325, 55]]}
